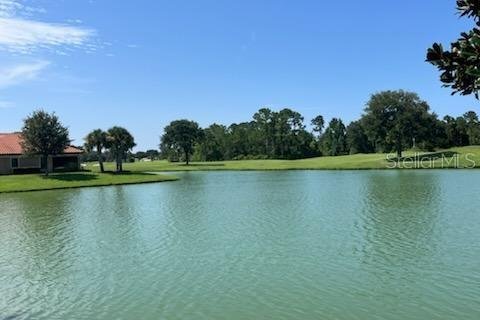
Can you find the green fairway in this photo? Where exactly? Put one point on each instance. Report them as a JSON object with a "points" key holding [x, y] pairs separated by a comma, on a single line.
{"points": [[453, 158], [35, 182]]}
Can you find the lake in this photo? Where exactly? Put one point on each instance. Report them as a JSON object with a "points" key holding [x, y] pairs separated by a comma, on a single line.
{"points": [[247, 245]]}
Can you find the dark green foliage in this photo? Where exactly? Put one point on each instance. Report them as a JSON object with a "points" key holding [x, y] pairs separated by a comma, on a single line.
{"points": [[456, 131], [180, 136], [152, 154], [357, 140], [149, 154], [460, 66], [213, 146], [244, 141], [273, 135], [119, 142], [397, 120], [264, 121], [97, 139], [473, 127], [318, 123], [44, 135], [334, 141], [469, 8], [288, 125], [393, 121]]}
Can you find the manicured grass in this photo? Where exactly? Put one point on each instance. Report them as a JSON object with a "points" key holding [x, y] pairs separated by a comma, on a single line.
{"points": [[351, 162], [36, 182]]}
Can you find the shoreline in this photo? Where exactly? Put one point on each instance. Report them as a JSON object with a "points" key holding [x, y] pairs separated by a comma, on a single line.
{"points": [[76, 180]]}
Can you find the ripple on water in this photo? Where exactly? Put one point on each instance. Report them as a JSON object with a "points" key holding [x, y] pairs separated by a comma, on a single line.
{"points": [[244, 245]]}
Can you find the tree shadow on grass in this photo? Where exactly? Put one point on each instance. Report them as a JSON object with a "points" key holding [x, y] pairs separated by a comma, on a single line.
{"points": [[201, 165], [427, 156], [72, 177], [127, 173]]}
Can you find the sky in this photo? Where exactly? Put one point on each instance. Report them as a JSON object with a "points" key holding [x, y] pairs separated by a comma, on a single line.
{"points": [[141, 64]]}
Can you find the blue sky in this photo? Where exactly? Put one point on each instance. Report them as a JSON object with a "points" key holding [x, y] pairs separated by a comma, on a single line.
{"points": [[141, 64]]}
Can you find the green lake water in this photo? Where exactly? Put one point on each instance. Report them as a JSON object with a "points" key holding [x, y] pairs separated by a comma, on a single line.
{"points": [[247, 245]]}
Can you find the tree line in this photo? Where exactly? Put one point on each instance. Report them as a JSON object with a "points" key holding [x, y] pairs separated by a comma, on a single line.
{"points": [[393, 121]]}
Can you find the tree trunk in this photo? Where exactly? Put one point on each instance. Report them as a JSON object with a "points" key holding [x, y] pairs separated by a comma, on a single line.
{"points": [[100, 159], [399, 151], [187, 157], [118, 163], [45, 158]]}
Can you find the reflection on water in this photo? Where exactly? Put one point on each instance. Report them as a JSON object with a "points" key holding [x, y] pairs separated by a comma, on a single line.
{"points": [[247, 245]]}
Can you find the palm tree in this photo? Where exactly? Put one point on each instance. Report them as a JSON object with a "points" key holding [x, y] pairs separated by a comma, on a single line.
{"points": [[119, 141], [97, 139]]}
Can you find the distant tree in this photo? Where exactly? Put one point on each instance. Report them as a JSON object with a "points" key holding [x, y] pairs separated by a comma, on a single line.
{"points": [[460, 67], [333, 141], [430, 133], [277, 135], [318, 123], [395, 120], [140, 155], [152, 154], [89, 157], [181, 135], [456, 131], [168, 152], [265, 123], [243, 141], [357, 140], [97, 139], [213, 145], [473, 127], [288, 125], [119, 142], [302, 145], [44, 135]]}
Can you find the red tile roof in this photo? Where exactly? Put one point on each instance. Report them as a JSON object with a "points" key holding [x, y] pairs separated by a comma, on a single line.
{"points": [[10, 145]]}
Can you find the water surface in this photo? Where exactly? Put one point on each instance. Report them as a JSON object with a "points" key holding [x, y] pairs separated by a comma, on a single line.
{"points": [[247, 245]]}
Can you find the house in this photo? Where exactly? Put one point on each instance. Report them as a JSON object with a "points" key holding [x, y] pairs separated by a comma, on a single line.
{"points": [[13, 160]]}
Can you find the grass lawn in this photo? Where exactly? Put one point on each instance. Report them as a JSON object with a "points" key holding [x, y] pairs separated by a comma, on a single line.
{"points": [[36, 182], [352, 162]]}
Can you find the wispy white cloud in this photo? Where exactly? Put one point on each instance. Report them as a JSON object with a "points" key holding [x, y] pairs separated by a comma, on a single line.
{"points": [[9, 7], [6, 104], [20, 34], [20, 73], [24, 36]]}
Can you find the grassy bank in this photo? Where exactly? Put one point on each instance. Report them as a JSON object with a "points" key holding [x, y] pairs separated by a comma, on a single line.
{"points": [[440, 159], [36, 182]]}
